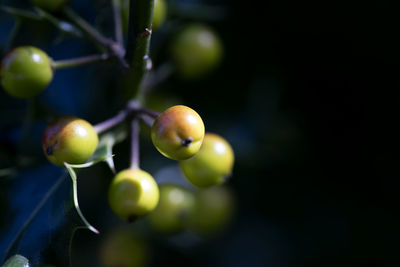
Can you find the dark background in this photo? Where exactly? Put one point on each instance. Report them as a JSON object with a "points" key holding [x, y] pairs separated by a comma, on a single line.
{"points": [[306, 95]]}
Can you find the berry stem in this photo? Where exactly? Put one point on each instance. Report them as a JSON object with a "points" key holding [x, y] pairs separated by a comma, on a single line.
{"points": [[119, 37], [110, 123], [134, 131], [75, 62], [138, 43], [149, 112]]}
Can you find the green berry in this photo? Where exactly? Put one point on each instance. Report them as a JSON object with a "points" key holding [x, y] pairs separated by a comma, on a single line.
{"points": [[178, 132], [69, 139], [213, 210], [174, 206], [121, 247], [196, 51], [132, 193], [25, 72], [51, 5], [212, 164], [159, 13]]}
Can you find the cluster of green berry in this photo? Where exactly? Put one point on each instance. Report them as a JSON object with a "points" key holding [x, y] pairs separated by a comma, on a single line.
{"points": [[178, 133], [26, 71]]}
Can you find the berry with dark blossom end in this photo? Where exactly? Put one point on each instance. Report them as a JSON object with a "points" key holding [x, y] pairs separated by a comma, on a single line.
{"points": [[178, 132], [69, 139], [132, 193], [51, 5], [173, 208], [25, 72], [213, 163], [196, 51]]}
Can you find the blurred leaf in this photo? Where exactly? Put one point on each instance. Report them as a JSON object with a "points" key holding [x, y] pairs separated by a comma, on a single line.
{"points": [[20, 13], [17, 261], [63, 26], [35, 215], [41, 15]]}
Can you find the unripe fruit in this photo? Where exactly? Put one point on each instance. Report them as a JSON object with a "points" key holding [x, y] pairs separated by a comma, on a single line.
{"points": [[51, 5], [213, 210], [159, 13], [123, 248], [212, 164], [69, 139], [132, 193], [178, 132], [25, 72], [196, 51], [173, 208]]}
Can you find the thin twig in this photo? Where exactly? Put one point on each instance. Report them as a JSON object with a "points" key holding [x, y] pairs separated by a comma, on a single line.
{"points": [[114, 48], [119, 37], [87, 28], [134, 131], [74, 62], [110, 123]]}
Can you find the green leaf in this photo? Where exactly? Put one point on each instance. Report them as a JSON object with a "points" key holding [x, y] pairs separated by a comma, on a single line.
{"points": [[75, 196], [17, 261], [106, 144]]}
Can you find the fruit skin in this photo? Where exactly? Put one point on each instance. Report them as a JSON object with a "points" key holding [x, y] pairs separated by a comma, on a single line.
{"points": [[196, 51], [178, 132], [159, 13], [51, 5], [173, 208], [25, 72], [69, 139], [133, 193], [213, 210], [212, 164]]}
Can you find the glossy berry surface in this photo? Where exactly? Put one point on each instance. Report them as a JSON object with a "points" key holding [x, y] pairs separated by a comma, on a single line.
{"points": [[213, 210], [25, 72], [173, 208], [69, 139], [178, 132], [51, 5], [132, 193], [196, 51], [213, 163]]}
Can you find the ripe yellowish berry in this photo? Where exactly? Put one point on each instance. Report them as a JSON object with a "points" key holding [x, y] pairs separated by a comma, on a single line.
{"points": [[69, 139], [178, 132]]}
